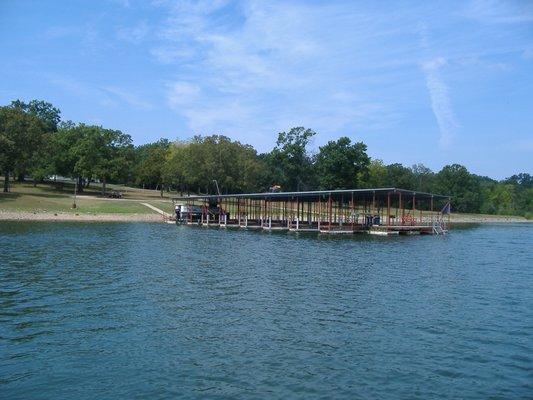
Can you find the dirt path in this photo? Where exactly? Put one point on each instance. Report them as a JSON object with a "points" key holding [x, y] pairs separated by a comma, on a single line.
{"points": [[157, 210]]}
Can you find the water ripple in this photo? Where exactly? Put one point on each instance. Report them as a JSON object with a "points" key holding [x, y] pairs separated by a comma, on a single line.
{"points": [[159, 311]]}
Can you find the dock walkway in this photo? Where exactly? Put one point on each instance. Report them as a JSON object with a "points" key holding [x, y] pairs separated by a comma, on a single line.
{"points": [[380, 211]]}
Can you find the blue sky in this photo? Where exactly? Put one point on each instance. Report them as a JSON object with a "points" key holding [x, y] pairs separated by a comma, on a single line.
{"points": [[430, 82]]}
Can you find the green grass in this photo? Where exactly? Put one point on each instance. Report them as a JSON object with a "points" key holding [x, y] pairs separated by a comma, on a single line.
{"points": [[45, 198]]}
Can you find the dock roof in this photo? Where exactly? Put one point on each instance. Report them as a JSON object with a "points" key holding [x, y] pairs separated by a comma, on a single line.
{"points": [[336, 194]]}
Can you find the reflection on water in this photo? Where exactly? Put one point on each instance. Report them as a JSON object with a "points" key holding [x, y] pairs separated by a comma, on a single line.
{"points": [[158, 311]]}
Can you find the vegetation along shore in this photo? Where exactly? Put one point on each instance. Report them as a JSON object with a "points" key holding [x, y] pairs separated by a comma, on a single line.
{"points": [[37, 146]]}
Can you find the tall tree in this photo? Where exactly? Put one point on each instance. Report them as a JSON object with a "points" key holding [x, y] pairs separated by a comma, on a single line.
{"points": [[149, 163], [456, 181], [46, 112], [400, 177], [423, 178], [92, 152], [291, 157], [376, 176], [21, 136], [103, 153], [340, 164], [197, 163]]}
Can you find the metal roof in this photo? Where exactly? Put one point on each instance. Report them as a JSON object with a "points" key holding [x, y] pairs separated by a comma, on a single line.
{"points": [[280, 196]]}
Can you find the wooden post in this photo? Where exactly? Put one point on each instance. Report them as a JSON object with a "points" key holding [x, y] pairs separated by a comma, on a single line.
{"points": [[239, 211], [297, 211], [431, 209], [400, 208], [388, 209], [319, 213], [414, 210], [352, 211], [329, 212]]}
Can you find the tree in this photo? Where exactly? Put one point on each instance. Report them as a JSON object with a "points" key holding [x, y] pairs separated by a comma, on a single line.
{"points": [[93, 152], [376, 175], [149, 163], [523, 180], [173, 171], [197, 163], [64, 158], [46, 112], [423, 178], [38, 164], [399, 176], [339, 164], [291, 157], [501, 199], [21, 136], [522, 193], [456, 181]]}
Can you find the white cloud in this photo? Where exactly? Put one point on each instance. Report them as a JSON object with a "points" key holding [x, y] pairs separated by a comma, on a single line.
{"points": [[274, 68], [276, 64], [169, 55], [500, 12], [134, 34], [128, 97], [182, 93], [106, 96], [440, 101]]}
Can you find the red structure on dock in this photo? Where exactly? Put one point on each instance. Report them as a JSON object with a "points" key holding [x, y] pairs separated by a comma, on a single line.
{"points": [[383, 211]]}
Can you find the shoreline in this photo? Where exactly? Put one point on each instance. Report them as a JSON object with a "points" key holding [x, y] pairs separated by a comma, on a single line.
{"points": [[104, 217], [478, 219], [47, 216]]}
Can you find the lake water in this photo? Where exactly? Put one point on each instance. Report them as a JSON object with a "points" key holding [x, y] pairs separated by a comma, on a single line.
{"points": [[157, 311]]}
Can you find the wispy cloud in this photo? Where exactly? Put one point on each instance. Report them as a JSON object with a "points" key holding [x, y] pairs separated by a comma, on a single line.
{"points": [[107, 96], [499, 12], [57, 32], [440, 101], [134, 34], [275, 65], [128, 97], [182, 93]]}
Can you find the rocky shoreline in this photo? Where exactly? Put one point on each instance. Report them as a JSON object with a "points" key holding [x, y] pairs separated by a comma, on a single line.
{"points": [[46, 216], [49, 216]]}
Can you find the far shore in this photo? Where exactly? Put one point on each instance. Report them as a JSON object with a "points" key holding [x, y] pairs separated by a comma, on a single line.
{"points": [[59, 216], [131, 217], [487, 219]]}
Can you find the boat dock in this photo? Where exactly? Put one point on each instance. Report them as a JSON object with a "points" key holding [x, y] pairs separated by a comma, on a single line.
{"points": [[382, 211]]}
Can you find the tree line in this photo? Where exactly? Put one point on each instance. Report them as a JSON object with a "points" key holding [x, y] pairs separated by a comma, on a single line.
{"points": [[36, 143]]}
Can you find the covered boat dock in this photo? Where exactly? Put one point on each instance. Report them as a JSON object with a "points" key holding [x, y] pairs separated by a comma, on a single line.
{"points": [[382, 211]]}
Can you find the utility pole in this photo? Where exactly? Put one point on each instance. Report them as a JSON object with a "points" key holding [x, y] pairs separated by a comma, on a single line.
{"points": [[75, 192], [216, 183]]}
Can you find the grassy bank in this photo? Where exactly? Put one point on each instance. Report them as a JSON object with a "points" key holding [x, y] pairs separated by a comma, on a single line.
{"points": [[49, 201], [47, 198]]}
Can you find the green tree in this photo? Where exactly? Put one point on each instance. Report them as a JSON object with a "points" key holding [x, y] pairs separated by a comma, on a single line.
{"points": [[501, 198], [339, 164], [456, 181], [291, 157], [523, 180], [197, 163], [39, 164], [423, 178], [376, 175], [399, 176], [150, 160], [21, 136], [46, 112], [522, 193], [94, 152]]}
